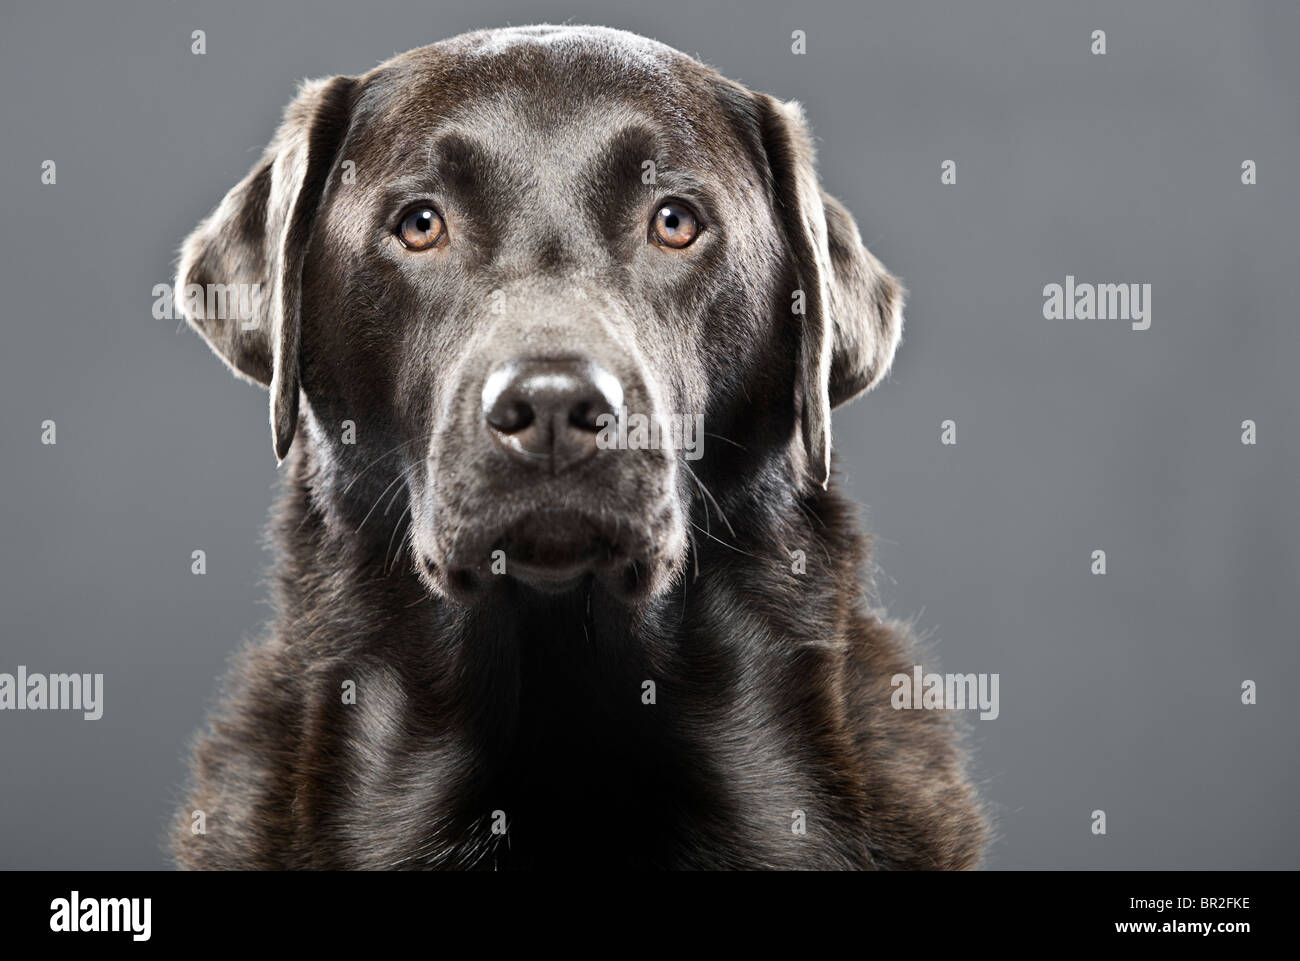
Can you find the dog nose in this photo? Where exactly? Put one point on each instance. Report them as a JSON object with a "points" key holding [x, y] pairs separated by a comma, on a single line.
{"points": [[546, 412]]}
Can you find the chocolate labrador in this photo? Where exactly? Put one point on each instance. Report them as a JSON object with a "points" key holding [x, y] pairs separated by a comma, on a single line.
{"points": [[553, 320]]}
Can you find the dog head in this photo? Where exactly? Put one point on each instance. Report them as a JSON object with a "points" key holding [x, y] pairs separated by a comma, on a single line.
{"points": [[518, 278]]}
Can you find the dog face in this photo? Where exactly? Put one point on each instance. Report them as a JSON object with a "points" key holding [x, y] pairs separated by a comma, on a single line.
{"points": [[527, 265]]}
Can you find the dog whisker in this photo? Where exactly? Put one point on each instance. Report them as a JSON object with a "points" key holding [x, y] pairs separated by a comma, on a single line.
{"points": [[405, 443], [719, 540], [400, 477], [396, 526], [710, 496], [726, 440]]}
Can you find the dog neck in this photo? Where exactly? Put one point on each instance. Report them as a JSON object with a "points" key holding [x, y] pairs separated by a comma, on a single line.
{"points": [[536, 695]]}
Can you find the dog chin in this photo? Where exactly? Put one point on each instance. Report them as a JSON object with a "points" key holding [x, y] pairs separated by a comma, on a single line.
{"points": [[554, 552]]}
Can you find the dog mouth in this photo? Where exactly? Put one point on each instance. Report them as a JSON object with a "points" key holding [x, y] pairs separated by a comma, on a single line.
{"points": [[552, 552]]}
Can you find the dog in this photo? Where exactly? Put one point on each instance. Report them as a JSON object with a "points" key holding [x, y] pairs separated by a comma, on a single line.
{"points": [[515, 627]]}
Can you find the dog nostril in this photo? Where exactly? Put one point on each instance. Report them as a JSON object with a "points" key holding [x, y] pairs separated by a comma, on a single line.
{"points": [[586, 414], [510, 417]]}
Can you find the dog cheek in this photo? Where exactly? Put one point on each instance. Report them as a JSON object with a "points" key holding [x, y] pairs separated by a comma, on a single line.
{"points": [[670, 550], [425, 544]]}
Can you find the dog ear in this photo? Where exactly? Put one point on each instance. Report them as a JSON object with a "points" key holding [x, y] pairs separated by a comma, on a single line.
{"points": [[251, 249], [852, 306]]}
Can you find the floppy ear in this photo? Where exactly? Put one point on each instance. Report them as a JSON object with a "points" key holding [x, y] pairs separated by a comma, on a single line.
{"points": [[252, 246], [853, 306]]}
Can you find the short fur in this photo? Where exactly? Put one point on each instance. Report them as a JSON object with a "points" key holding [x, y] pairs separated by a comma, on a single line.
{"points": [[495, 724]]}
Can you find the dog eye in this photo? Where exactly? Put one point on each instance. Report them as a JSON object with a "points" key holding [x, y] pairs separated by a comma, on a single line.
{"points": [[674, 226], [421, 229]]}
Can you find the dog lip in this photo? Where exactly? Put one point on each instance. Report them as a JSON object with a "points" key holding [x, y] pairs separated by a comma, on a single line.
{"points": [[554, 568], [557, 549], [547, 545], [551, 555], [551, 579]]}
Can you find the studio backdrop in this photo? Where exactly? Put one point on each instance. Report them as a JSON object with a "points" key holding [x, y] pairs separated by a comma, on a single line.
{"points": [[1080, 475]]}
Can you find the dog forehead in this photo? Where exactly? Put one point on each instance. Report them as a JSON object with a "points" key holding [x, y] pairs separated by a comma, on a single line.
{"points": [[615, 53], [565, 40], [546, 85]]}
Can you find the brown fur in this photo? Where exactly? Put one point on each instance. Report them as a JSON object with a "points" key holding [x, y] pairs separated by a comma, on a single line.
{"points": [[483, 700]]}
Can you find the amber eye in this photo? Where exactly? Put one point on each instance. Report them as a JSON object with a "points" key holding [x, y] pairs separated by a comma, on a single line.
{"points": [[674, 226], [421, 229]]}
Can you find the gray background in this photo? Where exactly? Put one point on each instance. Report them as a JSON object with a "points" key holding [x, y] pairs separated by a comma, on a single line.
{"points": [[1118, 692]]}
